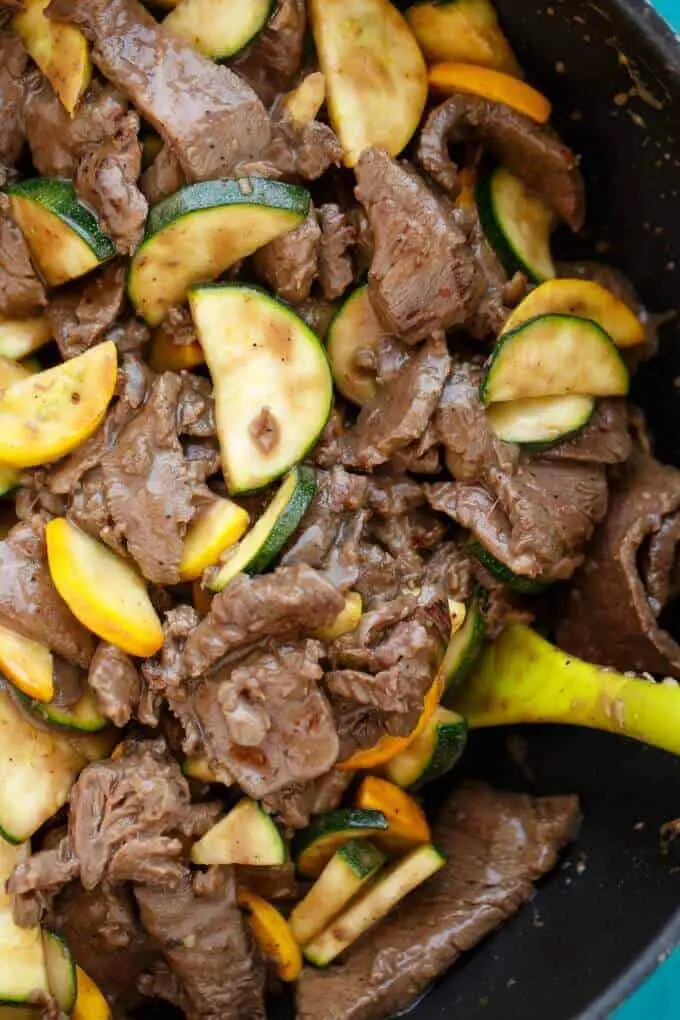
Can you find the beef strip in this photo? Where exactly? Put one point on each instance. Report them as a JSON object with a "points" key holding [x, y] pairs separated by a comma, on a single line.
{"points": [[423, 276], [290, 600], [21, 291], [318, 314], [202, 936], [105, 937], [82, 312], [271, 63], [196, 407], [294, 805], [532, 152], [338, 236], [116, 683], [613, 614], [497, 845], [13, 63], [209, 116], [272, 883], [265, 718], [29, 602], [164, 675], [300, 150], [164, 177], [290, 264], [604, 440]]}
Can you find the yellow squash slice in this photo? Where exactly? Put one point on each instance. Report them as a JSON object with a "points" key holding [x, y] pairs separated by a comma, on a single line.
{"points": [[407, 824], [376, 79], [28, 664], [90, 1003], [21, 337], [448, 78], [12, 372], [60, 51], [102, 590], [49, 414], [210, 533], [346, 621], [272, 933]]}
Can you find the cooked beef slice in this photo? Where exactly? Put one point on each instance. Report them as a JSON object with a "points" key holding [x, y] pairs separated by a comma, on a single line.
{"points": [[291, 600], [318, 314], [290, 264], [163, 177], [497, 845], [402, 408], [21, 291], [532, 152], [423, 275], [13, 63], [301, 151], [209, 116], [42, 876], [202, 935], [116, 683], [105, 937], [265, 718], [390, 660], [196, 407], [271, 63], [82, 312], [613, 613], [29, 602], [275, 882], [294, 805], [148, 492], [500, 294], [338, 236], [604, 440]]}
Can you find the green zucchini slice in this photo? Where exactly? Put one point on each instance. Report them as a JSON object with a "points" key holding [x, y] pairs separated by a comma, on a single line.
{"points": [[61, 971], [83, 717], [314, 846], [199, 232], [383, 895], [540, 421], [464, 647], [247, 835], [553, 356], [265, 540], [218, 28], [516, 224], [435, 752], [354, 336], [37, 770], [63, 235], [518, 582], [22, 957], [348, 871], [272, 381]]}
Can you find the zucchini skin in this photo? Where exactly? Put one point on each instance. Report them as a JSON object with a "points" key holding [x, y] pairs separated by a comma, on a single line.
{"points": [[59, 197], [287, 522], [526, 585]]}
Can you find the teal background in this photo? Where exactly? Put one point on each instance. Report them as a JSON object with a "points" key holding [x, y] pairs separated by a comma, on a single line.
{"points": [[659, 997]]}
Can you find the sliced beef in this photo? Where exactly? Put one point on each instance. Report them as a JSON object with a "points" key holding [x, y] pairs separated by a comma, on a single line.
{"points": [[604, 440], [41, 877], [290, 264], [212, 119], [29, 602], [290, 600], [82, 312], [614, 613], [532, 152], [303, 151], [318, 314], [147, 488], [338, 236], [116, 683], [272, 883], [13, 63], [106, 938], [196, 407], [201, 934], [164, 177], [21, 291], [423, 275], [402, 408], [265, 718], [271, 63], [497, 845], [294, 805]]}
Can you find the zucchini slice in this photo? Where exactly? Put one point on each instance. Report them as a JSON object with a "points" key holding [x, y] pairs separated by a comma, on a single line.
{"points": [[517, 224], [199, 232], [37, 771], [61, 971], [247, 835], [432, 754], [22, 957], [518, 582], [218, 28], [64, 237], [346, 621], [27, 664], [585, 299], [464, 647], [348, 871], [376, 79], [540, 421], [462, 30], [314, 846], [213, 531], [20, 338], [60, 51], [199, 768], [83, 717], [354, 336], [387, 891], [272, 381], [552, 356], [408, 826], [265, 540]]}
